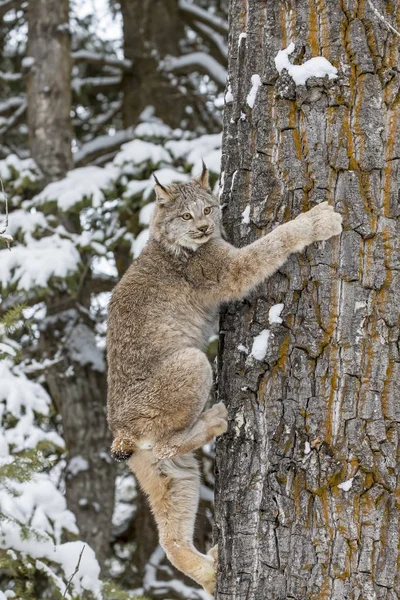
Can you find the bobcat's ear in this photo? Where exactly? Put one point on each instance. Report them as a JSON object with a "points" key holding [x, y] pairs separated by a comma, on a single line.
{"points": [[162, 194], [203, 179]]}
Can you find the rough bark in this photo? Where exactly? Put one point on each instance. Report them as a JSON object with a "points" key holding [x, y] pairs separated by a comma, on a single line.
{"points": [[49, 87], [324, 406]]}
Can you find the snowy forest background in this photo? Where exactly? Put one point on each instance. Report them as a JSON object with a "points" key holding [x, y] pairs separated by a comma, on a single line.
{"points": [[70, 520]]}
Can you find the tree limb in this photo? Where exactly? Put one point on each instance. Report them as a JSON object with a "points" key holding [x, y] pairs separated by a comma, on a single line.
{"points": [[197, 61], [192, 12], [98, 84], [216, 42], [14, 119], [101, 60]]}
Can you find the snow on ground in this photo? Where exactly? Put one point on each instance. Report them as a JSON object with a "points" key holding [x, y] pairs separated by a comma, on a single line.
{"points": [[315, 67]]}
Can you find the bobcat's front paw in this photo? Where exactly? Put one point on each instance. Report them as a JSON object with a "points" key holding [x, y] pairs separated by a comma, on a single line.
{"points": [[324, 221]]}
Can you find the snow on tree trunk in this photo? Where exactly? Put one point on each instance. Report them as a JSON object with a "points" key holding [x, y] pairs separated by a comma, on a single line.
{"points": [[48, 63], [307, 475]]}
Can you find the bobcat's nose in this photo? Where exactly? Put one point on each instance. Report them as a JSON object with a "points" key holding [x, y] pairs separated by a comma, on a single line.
{"points": [[203, 228]]}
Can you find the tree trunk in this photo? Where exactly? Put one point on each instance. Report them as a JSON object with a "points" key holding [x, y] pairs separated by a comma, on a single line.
{"points": [[307, 503], [49, 86], [152, 30], [78, 388], [77, 380]]}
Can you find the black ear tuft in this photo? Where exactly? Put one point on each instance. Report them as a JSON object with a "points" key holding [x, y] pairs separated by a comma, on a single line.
{"points": [[203, 179], [162, 193]]}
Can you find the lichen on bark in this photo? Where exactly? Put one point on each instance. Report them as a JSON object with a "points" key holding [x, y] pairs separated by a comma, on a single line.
{"points": [[323, 408]]}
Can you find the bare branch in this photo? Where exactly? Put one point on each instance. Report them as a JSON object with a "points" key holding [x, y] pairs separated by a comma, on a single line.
{"points": [[74, 573], [101, 60], [382, 18], [192, 12]]}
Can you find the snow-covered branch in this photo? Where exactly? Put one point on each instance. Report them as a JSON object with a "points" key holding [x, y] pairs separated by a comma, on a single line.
{"points": [[101, 60], [14, 119], [199, 61], [218, 47], [192, 12], [11, 103], [7, 5], [103, 144], [6, 76], [99, 84]]}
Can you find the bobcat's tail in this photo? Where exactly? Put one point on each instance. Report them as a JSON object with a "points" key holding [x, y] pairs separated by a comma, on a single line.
{"points": [[172, 486], [122, 448]]}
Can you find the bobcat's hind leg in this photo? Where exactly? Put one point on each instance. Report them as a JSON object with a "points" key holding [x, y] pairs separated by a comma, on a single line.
{"points": [[211, 423], [173, 487]]}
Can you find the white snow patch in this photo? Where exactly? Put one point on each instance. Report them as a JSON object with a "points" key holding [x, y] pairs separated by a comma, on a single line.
{"points": [[139, 152], [28, 62], [77, 464], [315, 67], [246, 215], [33, 265], [274, 313], [146, 212], [86, 182], [346, 485], [260, 345], [243, 348], [359, 305], [229, 95], [255, 84], [140, 242]]}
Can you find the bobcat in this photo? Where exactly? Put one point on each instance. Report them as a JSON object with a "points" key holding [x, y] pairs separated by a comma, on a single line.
{"points": [[161, 315]]}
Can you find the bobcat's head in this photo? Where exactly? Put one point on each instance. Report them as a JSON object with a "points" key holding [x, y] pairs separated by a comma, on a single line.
{"points": [[187, 215]]}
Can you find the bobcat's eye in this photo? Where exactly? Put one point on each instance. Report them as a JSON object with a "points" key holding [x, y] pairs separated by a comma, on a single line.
{"points": [[207, 210], [186, 216]]}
